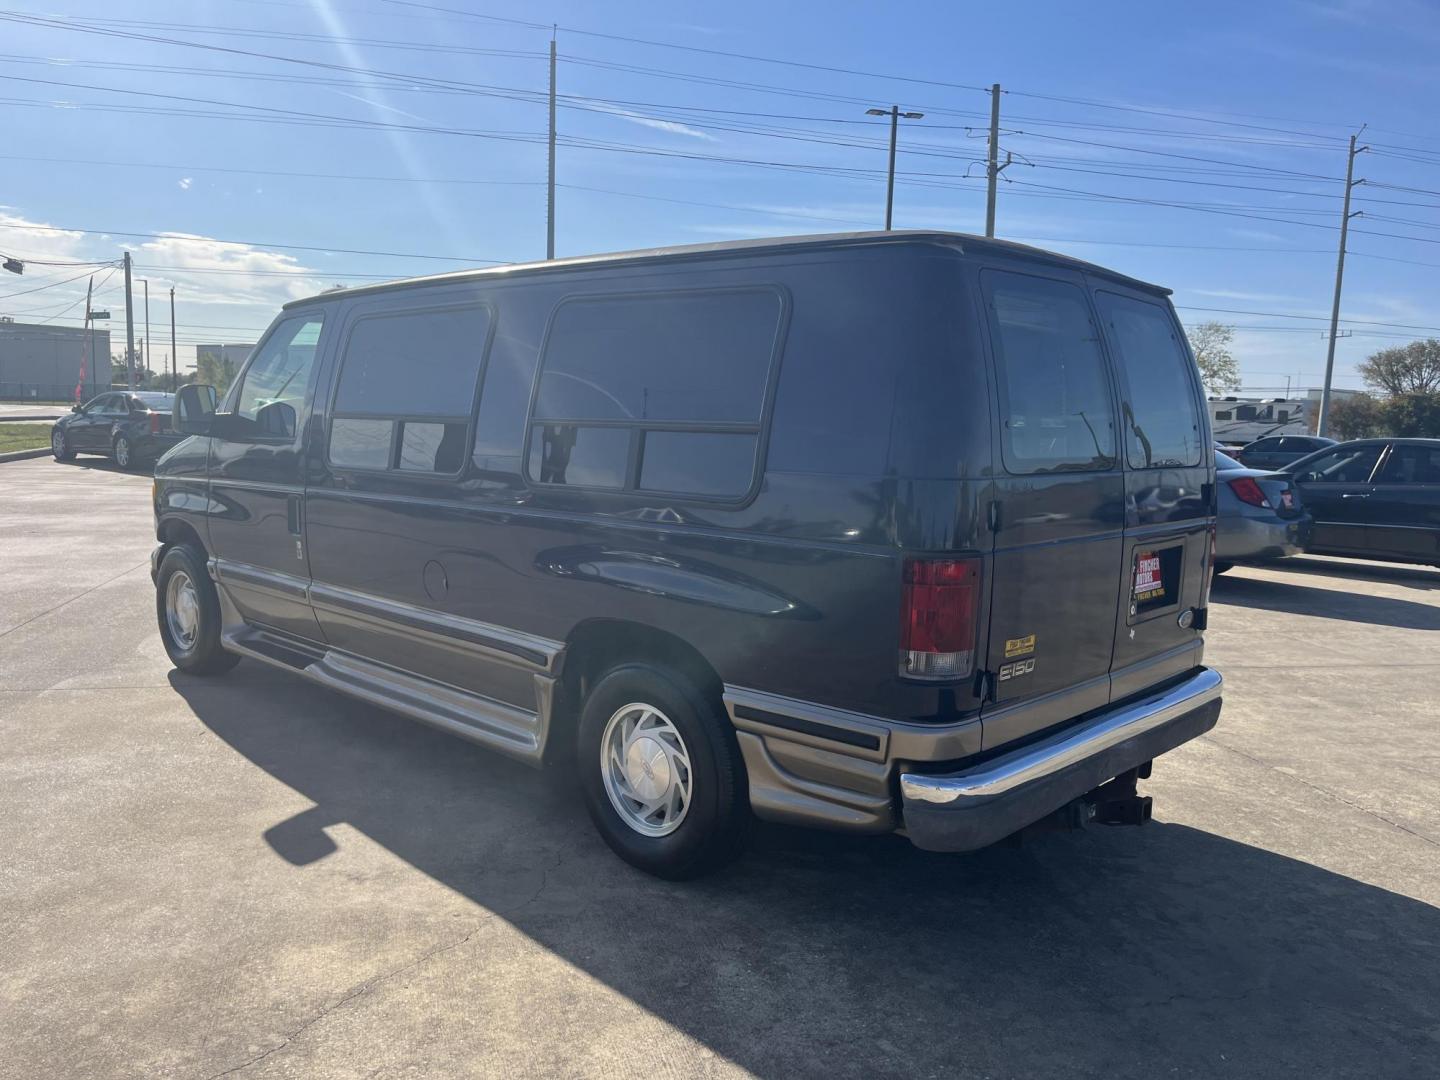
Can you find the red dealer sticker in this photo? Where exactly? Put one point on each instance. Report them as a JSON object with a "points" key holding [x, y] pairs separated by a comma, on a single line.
{"points": [[1149, 583]]}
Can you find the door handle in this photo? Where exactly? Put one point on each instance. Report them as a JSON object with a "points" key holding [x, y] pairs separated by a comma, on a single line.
{"points": [[292, 514], [1355, 496]]}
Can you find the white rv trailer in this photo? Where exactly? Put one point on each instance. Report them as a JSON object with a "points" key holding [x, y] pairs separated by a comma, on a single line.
{"points": [[1237, 421]]}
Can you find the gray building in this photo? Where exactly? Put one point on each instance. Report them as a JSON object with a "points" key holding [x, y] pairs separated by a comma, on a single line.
{"points": [[41, 362]]}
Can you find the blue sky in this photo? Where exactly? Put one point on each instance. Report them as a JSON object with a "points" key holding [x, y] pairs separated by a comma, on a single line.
{"points": [[420, 128]]}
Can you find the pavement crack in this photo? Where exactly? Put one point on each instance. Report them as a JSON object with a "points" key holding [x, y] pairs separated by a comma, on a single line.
{"points": [[350, 995], [71, 600], [1322, 790]]}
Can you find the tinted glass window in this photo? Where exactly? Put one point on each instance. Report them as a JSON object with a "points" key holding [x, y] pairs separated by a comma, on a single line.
{"points": [[706, 463], [432, 447], [1223, 415], [155, 402], [1225, 461], [1055, 397], [1412, 465], [419, 364], [279, 373], [701, 357], [361, 444], [580, 456], [1162, 419], [1245, 412], [1348, 465], [1266, 445]]}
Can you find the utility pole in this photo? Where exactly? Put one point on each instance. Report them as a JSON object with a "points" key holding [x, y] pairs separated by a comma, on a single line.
{"points": [[895, 114], [550, 187], [129, 329], [992, 164], [146, 343], [1345, 217], [174, 375]]}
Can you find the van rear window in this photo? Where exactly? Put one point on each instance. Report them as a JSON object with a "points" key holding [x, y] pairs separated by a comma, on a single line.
{"points": [[1055, 399], [1163, 415]]}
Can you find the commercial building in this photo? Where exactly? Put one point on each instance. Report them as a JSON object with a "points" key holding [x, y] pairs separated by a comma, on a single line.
{"points": [[43, 362]]}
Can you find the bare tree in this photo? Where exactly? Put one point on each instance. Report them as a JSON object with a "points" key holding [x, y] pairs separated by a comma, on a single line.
{"points": [[1210, 342], [1406, 369]]}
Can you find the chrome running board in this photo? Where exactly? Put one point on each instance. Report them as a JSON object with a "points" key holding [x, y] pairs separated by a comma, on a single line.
{"points": [[521, 733]]}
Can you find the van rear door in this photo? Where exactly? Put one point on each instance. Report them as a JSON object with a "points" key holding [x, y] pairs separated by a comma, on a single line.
{"points": [[1169, 490], [1059, 505]]}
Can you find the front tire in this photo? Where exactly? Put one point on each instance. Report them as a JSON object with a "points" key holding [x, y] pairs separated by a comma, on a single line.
{"points": [[60, 446], [661, 772], [188, 609]]}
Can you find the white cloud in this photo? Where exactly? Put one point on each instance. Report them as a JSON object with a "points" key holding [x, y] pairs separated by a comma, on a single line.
{"points": [[673, 127], [184, 183]]}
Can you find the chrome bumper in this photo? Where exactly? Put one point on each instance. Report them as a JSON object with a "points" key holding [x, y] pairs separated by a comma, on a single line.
{"points": [[975, 807]]}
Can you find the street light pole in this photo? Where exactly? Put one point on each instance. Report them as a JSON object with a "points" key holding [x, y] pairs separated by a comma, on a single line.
{"points": [[895, 114], [146, 283]]}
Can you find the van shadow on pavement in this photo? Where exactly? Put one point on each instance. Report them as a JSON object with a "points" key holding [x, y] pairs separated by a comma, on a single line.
{"points": [[1351, 607], [1149, 952]]}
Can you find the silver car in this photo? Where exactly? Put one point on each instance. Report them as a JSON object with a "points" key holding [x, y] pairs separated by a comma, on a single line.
{"points": [[1260, 515]]}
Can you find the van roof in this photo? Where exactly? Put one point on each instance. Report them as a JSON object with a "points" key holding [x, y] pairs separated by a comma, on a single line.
{"points": [[966, 242]]}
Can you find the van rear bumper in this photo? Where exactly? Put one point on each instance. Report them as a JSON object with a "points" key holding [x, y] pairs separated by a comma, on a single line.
{"points": [[975, 807]]}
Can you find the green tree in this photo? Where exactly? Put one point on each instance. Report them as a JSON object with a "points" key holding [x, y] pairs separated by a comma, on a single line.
{"points": [[1359, 417], [1413, 416], [218, 371], [1210, 342], [1405, 369]]}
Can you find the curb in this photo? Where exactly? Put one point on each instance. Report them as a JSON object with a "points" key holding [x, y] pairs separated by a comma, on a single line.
{"points": [[21, 455]]}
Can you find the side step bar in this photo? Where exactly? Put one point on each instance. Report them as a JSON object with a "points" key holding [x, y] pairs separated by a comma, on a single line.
{"points": [[520, 733]]}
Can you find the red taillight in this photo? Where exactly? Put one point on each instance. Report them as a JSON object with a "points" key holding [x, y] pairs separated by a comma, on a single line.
{"points": [[154, 423], [1248, 491], [937, 630]]}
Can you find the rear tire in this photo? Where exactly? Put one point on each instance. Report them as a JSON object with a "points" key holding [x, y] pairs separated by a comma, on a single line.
{"points": [[60, 446], [188, 609], [123, 451], [661, 772]]}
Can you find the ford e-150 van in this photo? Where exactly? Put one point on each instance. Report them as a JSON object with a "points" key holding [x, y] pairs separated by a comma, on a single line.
{"points": [[901, 531]]}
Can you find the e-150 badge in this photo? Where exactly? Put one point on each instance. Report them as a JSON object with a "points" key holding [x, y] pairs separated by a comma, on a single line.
{"points": [[1017, 669]]}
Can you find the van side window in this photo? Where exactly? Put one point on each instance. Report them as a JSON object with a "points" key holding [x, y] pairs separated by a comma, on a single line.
{"points": [[272, 392], [1055, 398], [657, 392], [1162, 419], [407, 389]]}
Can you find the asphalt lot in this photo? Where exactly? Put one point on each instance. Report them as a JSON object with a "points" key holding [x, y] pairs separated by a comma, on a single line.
{"points": [[254, 877]]}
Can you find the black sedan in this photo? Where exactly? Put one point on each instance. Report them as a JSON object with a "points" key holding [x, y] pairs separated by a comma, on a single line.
{"points": [[1277, 451], [131, 427], [1259, 515], [1374, 499]]}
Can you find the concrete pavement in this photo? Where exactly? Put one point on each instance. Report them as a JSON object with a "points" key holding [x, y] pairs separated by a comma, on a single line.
{"points": [[254, 877]]}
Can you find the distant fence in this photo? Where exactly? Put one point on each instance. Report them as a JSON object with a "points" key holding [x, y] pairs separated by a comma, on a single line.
{"points": [[29, 391]]}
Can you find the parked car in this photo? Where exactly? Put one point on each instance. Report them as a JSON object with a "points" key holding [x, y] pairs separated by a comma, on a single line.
{"points": [[870, 531], [1280, 450], [1259, 515], [131, 427], [1374, 499]]}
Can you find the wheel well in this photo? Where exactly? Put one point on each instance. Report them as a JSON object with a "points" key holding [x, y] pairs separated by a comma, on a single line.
{"points": [[174, 532], [597, 645]]}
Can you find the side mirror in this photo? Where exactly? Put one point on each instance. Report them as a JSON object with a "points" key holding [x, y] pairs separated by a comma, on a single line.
{"points": [[194, 410], [75, 408]]}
